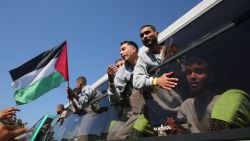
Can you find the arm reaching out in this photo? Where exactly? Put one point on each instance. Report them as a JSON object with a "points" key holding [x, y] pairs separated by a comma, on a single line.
{"points": [[8, 112], [9, 133]]}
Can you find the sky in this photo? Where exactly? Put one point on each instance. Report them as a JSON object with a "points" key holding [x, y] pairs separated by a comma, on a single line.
{"points": [[93, 30]]}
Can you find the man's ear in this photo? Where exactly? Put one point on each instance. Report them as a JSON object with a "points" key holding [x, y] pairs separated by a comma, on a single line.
{"points": [[134, 49]]}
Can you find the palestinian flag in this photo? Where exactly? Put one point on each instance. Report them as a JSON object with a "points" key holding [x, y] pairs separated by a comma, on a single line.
{"points": [[40, 74]]}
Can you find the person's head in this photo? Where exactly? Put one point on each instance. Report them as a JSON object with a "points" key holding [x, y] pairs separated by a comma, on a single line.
{"points": [[129, 51], [59, 108], [81, 82], [197, 74], [149, 36], [119, 63]]}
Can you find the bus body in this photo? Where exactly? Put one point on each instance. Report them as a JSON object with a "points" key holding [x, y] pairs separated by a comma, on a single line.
{"points": [[41, 127], [216, 30]]}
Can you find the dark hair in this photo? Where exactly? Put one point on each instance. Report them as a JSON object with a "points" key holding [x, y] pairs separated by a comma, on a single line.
{"points": [[192, 60], [82, 78], [131, 43], [61, 106], [148, 25]]}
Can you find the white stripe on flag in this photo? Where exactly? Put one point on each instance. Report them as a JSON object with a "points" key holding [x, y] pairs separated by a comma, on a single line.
{"points": [[34, 76]]}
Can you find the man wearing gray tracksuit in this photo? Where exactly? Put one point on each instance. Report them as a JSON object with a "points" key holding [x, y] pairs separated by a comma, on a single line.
{"points": [[161, 100], [128, 97]]}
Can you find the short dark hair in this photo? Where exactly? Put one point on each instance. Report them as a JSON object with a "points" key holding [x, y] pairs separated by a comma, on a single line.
{"points": [[83, 79], [192, 60], [131, 43], [148, 25], [61, 106]]}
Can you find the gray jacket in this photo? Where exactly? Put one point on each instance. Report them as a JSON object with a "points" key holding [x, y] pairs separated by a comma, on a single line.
{"points": [[87, 94], [123, 81], [145, 62], [168, 100]]}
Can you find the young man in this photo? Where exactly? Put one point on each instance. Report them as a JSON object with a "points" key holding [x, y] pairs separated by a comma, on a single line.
{"points": [[60, 110], [81, 96], [161, 100], [127, 95], [111, 71], [197, 111], [149, 59]]}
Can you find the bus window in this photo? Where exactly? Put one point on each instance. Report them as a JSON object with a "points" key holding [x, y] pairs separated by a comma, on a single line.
{"points": [[226, 55], [42, 128]]}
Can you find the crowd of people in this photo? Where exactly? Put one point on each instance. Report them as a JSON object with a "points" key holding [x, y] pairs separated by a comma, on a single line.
{"points": [[146, 99]]}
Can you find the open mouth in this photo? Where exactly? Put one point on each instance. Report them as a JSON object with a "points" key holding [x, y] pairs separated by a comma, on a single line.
{"points": [[194, 84], [123, 57]]}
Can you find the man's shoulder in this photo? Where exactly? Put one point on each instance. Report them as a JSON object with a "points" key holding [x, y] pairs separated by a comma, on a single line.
{"points": [[64, 113], [186, 106], [142, 50], [216, 97], [147, 55], [123, 73], [87, 88]]}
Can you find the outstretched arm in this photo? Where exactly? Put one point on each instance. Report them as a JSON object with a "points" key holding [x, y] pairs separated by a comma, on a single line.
{"points": [[8, 112], [9, 133]]}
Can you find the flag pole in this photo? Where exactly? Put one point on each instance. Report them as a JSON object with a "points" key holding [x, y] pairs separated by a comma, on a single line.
{"points": [[67, 69], [68, 84]]}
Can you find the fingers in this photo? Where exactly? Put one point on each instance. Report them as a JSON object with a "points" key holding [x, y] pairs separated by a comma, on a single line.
{"points": [[169, 78], [12, 109], [8, 112], [8, 132], [112, 69], [68, 90], [169, 85], [168, 74], [168, 82], [174, 80], [16, 132]]}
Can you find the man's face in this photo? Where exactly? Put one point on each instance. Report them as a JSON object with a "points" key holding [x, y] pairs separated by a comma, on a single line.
{"points": [[58, 110], [197, 77], [118, 64], [127, 52], [148, 37], [78, 84]]}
